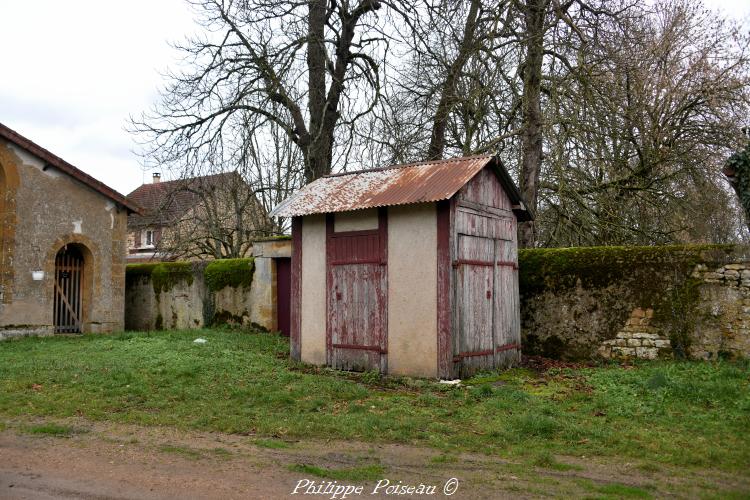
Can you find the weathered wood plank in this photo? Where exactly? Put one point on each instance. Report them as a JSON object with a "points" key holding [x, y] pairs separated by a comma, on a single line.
{"points": [[356, 304]]}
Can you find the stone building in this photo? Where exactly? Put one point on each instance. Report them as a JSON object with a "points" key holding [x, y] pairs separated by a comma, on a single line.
{"points": [[62, 244], [185, 218]]}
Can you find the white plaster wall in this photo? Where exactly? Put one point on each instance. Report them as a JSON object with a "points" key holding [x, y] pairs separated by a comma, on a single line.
{"points": [[412, 290], [313, 307], [358, 220]]}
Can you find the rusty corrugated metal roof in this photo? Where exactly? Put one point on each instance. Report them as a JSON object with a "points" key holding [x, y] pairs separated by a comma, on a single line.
{"points": [[428, 181]]}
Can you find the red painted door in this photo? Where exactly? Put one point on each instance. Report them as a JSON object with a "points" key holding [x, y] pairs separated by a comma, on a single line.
{"points": [[283, 294], [356, 320]]}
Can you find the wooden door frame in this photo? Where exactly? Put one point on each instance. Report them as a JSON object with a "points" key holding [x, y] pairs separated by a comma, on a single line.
{"points": [[92, 275], [72, 295], [382, 232]]}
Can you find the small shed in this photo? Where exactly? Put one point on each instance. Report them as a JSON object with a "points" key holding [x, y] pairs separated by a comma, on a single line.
{"points": [[407, 270]]}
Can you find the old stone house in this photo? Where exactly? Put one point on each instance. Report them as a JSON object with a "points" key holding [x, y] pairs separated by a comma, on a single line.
{"points": [[62, 244], [186, 218]]}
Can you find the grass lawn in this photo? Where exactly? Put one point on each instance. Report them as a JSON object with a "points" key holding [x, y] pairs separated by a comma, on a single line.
{"points": [[680, 413]]}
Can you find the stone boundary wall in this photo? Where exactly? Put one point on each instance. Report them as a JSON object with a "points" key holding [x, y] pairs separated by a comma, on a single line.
{"points": [[636, 302], [190, 295]]}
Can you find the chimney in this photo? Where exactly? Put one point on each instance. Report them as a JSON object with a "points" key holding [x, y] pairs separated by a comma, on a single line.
{"points": [[156, 178]]}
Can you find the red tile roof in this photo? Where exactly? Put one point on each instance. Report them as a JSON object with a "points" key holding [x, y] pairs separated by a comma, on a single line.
{"points": [[62, 165], [164, 202]]}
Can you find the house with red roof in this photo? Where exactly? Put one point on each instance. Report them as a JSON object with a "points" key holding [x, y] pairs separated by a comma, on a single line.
{"points": [[204, 217]]}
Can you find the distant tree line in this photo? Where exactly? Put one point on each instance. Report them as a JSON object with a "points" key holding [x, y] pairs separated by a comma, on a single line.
{"points": [[615, 116]]}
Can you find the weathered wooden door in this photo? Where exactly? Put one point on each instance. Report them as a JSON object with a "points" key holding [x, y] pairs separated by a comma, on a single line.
{"points": [[474, 266], [486, 315], [356, 276], [68, 294], [507, 322]]}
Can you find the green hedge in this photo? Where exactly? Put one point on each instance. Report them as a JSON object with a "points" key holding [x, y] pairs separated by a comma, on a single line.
{"points": [[167, 274], [229, 272]]}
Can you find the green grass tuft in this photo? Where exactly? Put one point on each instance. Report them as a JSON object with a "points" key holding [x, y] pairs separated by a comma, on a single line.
{"points": [[52, 430], [190, 453], [362, 473], [274, 444]]}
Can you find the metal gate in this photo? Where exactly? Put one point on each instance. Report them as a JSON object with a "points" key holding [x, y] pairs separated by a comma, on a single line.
{"points": [[356, 278], [68, 290]]}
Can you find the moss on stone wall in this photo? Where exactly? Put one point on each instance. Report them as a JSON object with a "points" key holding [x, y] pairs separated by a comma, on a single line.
{"points": [[574, 298], [163, 275], [134, 272], [167, 274], [281, 237], [229, 272], [140, 269], [560, 268]]}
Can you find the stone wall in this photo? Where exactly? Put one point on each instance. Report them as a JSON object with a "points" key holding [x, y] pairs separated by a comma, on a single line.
{"points": [[641, 302], [183, 295], [43, 209]]}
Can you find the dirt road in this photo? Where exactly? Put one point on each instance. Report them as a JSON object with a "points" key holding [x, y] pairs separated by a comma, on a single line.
{"points": [[106, 461]]}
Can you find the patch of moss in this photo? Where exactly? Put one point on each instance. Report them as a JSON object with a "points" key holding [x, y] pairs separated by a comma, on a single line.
{"points": [[141, 269], [136, 271], [229, 272], [223, 317], [560, 268], [281, 237], [167, 274]]}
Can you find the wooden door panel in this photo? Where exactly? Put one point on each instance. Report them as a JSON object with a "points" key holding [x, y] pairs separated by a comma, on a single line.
{"points": [[507, 313], [68, 292], [357, 332], [474, 272], [283, 294], [484, 225]]}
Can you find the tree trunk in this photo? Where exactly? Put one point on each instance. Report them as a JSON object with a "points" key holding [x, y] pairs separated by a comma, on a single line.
{"points": [[316, 163], [531, 135], [448, 92]]}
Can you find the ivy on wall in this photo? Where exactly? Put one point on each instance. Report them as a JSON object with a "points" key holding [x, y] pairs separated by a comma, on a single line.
{"points": [[737, 171]]}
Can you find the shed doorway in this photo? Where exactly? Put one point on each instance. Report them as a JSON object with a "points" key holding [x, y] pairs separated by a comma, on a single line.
{"points": [[69, 293], [486, 305], [283, 294], [357, 284]]}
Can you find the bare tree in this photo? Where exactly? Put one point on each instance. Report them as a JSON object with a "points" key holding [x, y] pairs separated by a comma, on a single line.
{"points": [[216, 216], [638, 128], [306, 67]]}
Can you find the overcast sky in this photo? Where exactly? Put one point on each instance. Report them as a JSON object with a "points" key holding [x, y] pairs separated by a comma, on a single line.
{"points": [[74, 70]]}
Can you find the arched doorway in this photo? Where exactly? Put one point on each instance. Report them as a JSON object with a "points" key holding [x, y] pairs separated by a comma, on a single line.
{"points": [[69, 295]]}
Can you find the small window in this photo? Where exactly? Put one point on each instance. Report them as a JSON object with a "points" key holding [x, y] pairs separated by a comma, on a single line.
{"points": [[149, 238]]}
